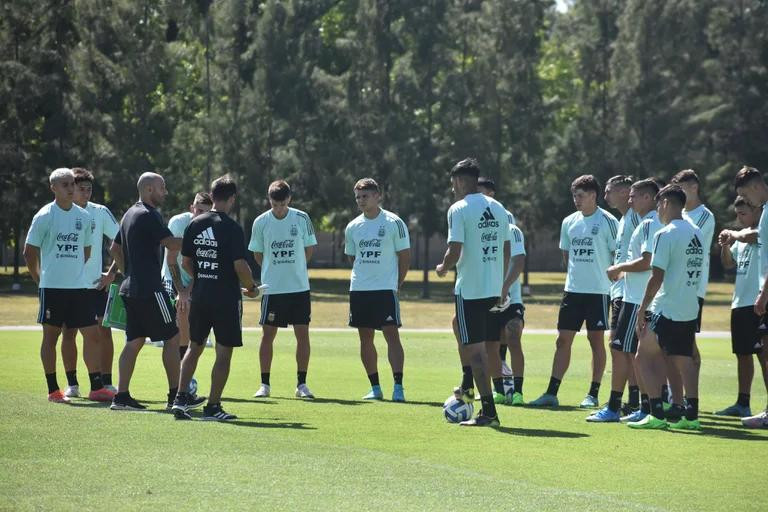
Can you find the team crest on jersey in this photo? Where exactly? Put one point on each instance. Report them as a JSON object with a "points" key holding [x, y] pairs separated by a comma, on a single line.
{"points": [[78, 224], [93, 226], [382, 232], [294, 230], [595, 229]]}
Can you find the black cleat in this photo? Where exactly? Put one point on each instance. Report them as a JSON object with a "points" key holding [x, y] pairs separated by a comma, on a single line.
{"points": [[184, 401], [216, 413], [125, 402], [482, 421]]}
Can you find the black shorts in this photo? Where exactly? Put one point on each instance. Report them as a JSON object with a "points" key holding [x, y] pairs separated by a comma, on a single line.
{"points": [[374, 309], [625, 336], [675, 338], [65, 307], [170, 289], [475, 320], [698, 319], [225, 318], [576, 308], [281, 309], [615, 310], [150, 317], [98, 301], [745, 338], [500, 320]]}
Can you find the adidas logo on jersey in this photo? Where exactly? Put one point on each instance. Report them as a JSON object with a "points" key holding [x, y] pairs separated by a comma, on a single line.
{"points": [[694, 246], [488, 220], [206, 237]]}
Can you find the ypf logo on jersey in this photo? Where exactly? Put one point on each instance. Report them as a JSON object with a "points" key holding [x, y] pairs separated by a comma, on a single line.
{"points": [[206, 239], [283, 251], [67, 245], [370, 250], [488, 220]]}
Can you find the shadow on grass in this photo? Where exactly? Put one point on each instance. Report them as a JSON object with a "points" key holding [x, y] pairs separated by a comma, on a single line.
{"points": [[535, 432], [430, 404], [558, 408], [91, 405], [260, 424], [338, 401], [248, 400], [739, 433]]}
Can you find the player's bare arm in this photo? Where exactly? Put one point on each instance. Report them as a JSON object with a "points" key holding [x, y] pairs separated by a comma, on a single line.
{"points": [[403, 264], [32, 257], [450, 259]]}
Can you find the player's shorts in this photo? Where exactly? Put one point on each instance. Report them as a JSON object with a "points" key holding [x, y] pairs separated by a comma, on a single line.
{"points": [[98, 301], [225, 318], [65, 307], [476, 322], [500, 320], [698, 318], [170, 289], [577, 308], [615, 310], [675, 338], [625, 337], [374, 309], [745, 337], [150, 317], [282, 309]]}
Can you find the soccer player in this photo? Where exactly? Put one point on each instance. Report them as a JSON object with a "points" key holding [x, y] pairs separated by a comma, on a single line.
{"points": [[378, 244], [588, 240], [745, 338], [636, 270], [176, 280], [214, 255], [617, 191], [148, 308], [103, 223], [478, 246], [282, 241], [57, 247], [666, 320], [752, 187]]}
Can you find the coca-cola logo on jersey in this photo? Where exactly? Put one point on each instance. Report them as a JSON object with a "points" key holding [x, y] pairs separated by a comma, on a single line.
{"points": [[283, 244], [586, 241], [374, 242], [489, 237], [67, 237], [206, 253]]}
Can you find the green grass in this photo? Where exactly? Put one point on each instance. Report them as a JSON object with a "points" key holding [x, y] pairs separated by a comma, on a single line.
{"points": [[341, 453]]}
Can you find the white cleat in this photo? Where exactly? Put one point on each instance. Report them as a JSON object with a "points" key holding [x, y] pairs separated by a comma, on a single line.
{"points": [[263, 391], [302, 391], [72, 392], [506, 371]]}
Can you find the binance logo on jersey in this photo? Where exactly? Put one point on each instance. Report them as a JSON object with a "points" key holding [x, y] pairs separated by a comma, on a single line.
{"points": [[488, 220]]}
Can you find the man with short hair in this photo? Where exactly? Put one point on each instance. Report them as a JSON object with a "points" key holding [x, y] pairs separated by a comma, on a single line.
{"points": [[103, 223], [745, 336], [749, 183], [666, 324], [378, 244], [588, 240], [214, 256], [636, 271], [57, 247], [479, 248], [148, 308], [282, 241]]}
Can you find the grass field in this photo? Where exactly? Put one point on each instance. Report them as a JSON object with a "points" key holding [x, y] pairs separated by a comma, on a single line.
{"points": [[339, 453]]}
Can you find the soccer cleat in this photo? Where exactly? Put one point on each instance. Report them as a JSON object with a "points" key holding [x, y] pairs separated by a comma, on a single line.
{"points": [[101, 395], [111, 388], [481, 421], [374, 394], [178, 414], [185, 402], [58, 397], [740, 411], [516, 400], [158, 344], [302, 391], [545, 400], [72, 391], [126, 403], [650, 422], [398, 393], [499, 398], [758, 421], [465, 395], [634, 417], [604, 415], [675, 412], [216, 413], [666, 406], [686, 424], [589, 402], [506, 371], [263, 391], [627, 408]]}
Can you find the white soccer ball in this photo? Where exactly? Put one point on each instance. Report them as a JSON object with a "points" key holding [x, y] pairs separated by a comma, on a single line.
{"points": [[456, 410], [192, 388]]}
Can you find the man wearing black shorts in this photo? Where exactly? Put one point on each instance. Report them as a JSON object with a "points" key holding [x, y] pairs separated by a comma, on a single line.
{"points": [[213, 253], [148, 308]]}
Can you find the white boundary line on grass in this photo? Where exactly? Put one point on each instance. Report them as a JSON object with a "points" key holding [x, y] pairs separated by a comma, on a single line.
{"points": [[550, 332]]}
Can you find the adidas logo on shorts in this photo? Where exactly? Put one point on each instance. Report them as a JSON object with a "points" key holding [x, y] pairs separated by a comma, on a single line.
{"points": [[600, 324], [390, 319]]}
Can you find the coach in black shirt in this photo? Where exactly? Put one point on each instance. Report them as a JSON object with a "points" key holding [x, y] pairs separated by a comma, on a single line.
{"points": [[213, 253]]}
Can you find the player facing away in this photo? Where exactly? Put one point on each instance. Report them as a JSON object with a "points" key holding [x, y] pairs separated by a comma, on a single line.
{"points": [[617, 190], [213, 251], [588, 240], [636, 271], [282, 241], [103, 224], [478, 246], [148, 308], [751, 186], [57, 247], [744, 257], [666, 323], [378, 244]]}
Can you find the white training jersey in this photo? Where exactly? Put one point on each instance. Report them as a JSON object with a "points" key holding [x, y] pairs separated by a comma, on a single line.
{"points": [[640, 243], [703, 219], [590, 242], [517, 247], [627, 225], [762, 243], [747, 259], [103, 223]]}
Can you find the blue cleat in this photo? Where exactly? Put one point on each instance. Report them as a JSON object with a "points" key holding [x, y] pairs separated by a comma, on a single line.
{"points": [[604, 415], [635, 416], [374, 394], [398, 394]]}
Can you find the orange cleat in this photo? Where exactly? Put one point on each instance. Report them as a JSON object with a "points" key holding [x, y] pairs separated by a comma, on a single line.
{"points": [[101, 395], [58, 397]]}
